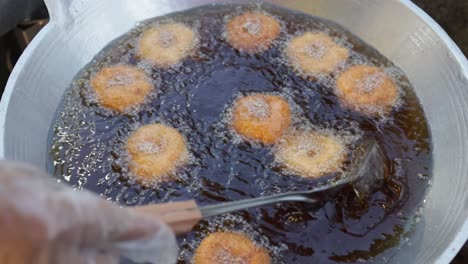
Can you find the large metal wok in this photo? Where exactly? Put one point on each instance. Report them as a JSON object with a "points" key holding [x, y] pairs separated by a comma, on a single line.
{"points": [[402, 32]]}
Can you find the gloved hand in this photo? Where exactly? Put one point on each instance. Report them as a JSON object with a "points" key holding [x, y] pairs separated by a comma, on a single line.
{"points": [[43, 221]]}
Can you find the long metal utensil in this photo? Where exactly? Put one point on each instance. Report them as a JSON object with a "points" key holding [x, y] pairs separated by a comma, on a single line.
{"points": [[366, 173]]}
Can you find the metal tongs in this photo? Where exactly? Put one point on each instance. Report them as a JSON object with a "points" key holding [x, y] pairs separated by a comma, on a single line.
{"points": [[366, 173]]}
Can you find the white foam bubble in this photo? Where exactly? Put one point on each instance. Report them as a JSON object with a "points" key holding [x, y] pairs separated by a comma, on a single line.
{"points": [[166, 39], [223, 256], [309, 147], [150, 147], [253, 26], [120, 80], [69, 142], [257, 107], [316, 50], [370, 82]]}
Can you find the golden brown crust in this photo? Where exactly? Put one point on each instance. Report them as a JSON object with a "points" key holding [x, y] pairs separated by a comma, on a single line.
{"points": [[315, 53], [252, 31], [167, 44], [261, 118], [367, 89], [155, 151], [311, 154], [121, 87], [228, 247]]}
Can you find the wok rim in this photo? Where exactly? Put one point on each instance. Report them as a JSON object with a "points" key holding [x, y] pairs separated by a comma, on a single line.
{"points": [[461, 61]]}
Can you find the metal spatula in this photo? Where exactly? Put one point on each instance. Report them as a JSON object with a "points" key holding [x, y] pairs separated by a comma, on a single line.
{"points": [[365, 174]]}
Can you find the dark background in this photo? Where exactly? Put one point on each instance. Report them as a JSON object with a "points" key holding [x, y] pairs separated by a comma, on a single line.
{"points": [[20, 20]]}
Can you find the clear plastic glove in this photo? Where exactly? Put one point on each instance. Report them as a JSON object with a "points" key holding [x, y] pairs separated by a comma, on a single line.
{"points": [[43, 221]]}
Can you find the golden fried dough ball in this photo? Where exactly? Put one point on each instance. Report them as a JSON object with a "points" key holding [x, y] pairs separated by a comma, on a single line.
{"points": [[261, 118], [311, 154], [252, 31], [315, 53], [121, 87], [155, 151], [228, 247], [367, 89], [167, 44]]}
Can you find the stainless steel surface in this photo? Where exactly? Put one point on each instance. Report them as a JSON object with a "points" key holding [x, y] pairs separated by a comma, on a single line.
{"points": [[79, 29], [228, 207]]}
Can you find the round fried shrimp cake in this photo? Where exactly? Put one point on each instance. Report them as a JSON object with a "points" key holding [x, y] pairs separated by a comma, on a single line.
{"points": [[311, 154], [367, 89], [232, 248], [315, 53], [121, 87], [167, 44], [155, 151], [261, 118], [252, 31]]}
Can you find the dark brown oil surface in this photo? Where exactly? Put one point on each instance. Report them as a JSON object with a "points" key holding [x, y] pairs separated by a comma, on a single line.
{"points": [[87, 142]]}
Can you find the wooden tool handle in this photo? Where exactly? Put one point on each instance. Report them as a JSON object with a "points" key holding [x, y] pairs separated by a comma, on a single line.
{"points": [[180, 216]]}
